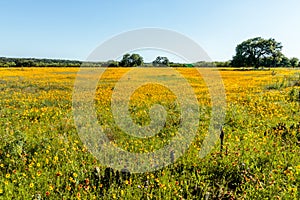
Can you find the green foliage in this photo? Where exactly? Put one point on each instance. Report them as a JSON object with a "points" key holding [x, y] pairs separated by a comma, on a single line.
{"points": [[111, 63], [34, 62], [132, 60], [172, 64], [212, 64], [258, 52], [161, 61], [294, 62], [222, 64], [285, 62]]}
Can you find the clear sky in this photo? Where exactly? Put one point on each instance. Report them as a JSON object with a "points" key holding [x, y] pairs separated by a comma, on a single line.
{"points": [[72, 29]]}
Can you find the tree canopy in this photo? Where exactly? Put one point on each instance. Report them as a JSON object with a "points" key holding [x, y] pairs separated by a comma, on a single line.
{"points": [[161, 61], [258, 52], [294, 62], [132, 60]]}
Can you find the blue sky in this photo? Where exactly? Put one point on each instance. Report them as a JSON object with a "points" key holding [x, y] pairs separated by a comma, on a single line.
{"points": [[73, 29]]}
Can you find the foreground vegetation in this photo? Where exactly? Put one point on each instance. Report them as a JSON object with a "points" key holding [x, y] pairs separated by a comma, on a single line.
{"points": [[42, 157]]}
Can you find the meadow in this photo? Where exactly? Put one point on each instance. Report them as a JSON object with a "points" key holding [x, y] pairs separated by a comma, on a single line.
{"points": [[42, 156]]}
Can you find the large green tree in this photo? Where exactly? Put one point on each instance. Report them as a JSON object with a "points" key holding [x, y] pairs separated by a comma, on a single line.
{"points": [[132, 60], [258, 52]]}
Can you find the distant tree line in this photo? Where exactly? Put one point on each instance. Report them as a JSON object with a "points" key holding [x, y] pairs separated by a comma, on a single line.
{"points": [[34, 62], [128, 60], [256, 52]]}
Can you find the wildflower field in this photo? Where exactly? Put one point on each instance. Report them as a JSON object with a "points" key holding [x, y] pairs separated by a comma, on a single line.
{"points": [[42, 156]]}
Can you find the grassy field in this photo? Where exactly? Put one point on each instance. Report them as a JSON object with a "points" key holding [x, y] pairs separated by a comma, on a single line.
{"points": [[42, 156]]}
